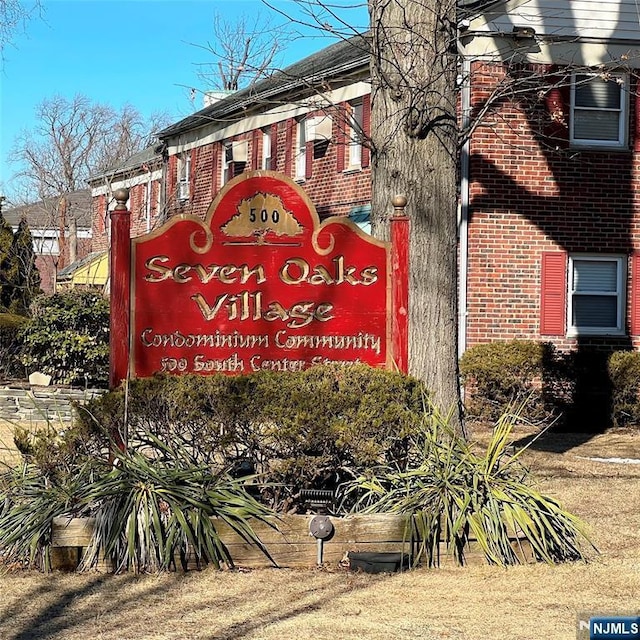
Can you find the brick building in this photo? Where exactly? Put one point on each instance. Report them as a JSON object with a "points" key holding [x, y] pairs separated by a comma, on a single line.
{"points": [[61, 231], [142, 175], [549, 227], [282, 124]]}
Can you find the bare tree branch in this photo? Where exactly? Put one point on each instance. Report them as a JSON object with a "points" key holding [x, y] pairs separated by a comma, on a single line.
{"points": [[242, 51], [14, 14], [75, 138]]}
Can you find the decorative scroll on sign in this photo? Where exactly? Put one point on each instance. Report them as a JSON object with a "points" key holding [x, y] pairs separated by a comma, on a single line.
{"points": [[260, 284]]}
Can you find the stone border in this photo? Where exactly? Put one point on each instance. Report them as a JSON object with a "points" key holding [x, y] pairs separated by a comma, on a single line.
{"points": [[35, 404]]}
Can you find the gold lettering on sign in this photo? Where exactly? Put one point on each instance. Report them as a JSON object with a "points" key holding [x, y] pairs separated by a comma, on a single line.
{"points": [[297, 270], [218, 339], [184, 272], [363, 341], [249, 305]]}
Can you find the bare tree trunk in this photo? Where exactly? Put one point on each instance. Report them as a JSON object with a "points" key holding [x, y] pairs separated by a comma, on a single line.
{"points": [[73, 239], [62, 223], [414, 145]]}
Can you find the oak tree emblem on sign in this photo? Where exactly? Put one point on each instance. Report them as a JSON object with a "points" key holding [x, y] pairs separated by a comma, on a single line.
{"points": [[262, 215]]}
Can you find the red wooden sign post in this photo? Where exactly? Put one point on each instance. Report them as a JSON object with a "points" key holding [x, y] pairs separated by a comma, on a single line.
{"points": [[119, 287], [260, 284], [400, 284]]}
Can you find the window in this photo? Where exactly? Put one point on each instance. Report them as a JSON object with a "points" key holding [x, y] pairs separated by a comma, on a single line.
{"points": [[301, 149], [45, 243], [599, 110], [596, 300], [361, 215], [227, 163], [235, 159], [266, 149], [184, 175], [355, 134]]}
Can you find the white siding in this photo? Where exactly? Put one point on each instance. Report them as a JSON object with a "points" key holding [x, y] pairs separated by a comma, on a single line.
{"points": [[581, 32], [599, 19]]}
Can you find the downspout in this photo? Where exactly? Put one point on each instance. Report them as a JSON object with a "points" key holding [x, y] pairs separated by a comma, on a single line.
{"points": [[463, 223]]}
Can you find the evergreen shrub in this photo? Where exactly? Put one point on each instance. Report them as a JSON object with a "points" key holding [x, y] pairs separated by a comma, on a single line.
{"points": [[624, 373], [67, 337], [369, 435], [10, 346], [497, 375], [313, 429]]}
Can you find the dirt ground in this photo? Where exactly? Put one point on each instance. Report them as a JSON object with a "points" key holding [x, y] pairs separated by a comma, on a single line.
{"points": [[529, 602]]}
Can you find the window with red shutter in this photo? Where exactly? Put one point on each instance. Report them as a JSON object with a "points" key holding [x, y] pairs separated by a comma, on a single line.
{"points": [[341, 137], [599, 110], [255, 137], [596, 294], [273, 159]]}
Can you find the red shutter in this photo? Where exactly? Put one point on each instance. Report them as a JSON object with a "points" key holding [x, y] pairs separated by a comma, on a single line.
{"points": [[274, 147], [341, 137], [636, 131], [173, 170], [634, 321], [288, 141], [255, 136], [558, 107], [308, 161], [366, 126], [553, 293]]}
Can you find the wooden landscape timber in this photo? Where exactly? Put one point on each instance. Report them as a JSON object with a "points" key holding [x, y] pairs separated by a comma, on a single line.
{"points": [[289, 542]]}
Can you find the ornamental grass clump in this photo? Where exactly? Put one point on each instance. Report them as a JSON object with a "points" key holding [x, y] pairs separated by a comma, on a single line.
{"points": [[153, 505], [455, 494], [153, 511]]}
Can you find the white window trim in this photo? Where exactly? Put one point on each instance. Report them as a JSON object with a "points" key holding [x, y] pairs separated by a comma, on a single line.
{"points": [[621, 143], [46, 242], [227, 149], [266, 150], [301, 150], [184, 176], [621, 261], [355, 138]]}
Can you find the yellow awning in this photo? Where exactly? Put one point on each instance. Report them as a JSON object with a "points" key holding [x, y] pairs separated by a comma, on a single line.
{"points": [[94, 273]]}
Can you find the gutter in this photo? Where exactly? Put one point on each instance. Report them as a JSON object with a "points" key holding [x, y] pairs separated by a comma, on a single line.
{"points": [[239, 106], [463, 222]]}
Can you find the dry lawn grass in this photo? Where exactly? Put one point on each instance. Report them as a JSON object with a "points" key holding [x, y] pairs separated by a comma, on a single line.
{"points": [[476, 603]]}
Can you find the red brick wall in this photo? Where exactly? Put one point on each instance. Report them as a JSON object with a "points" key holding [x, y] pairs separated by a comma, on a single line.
{"points": [[46, 265], [137, 205], [99, 228], [527, 199], [333, 192]]}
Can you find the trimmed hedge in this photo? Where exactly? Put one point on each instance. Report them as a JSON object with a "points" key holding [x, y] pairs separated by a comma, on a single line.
{"points": [[585, 387], [499, 374], [624, 373], [67, 337], [313, 429], [10, 346]]}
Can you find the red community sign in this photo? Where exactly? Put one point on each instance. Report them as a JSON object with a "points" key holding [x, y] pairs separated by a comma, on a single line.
{"points": [[260, 284]]}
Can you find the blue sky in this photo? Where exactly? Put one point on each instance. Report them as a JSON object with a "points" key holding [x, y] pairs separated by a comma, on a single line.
{"points": [[120, 52]]}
